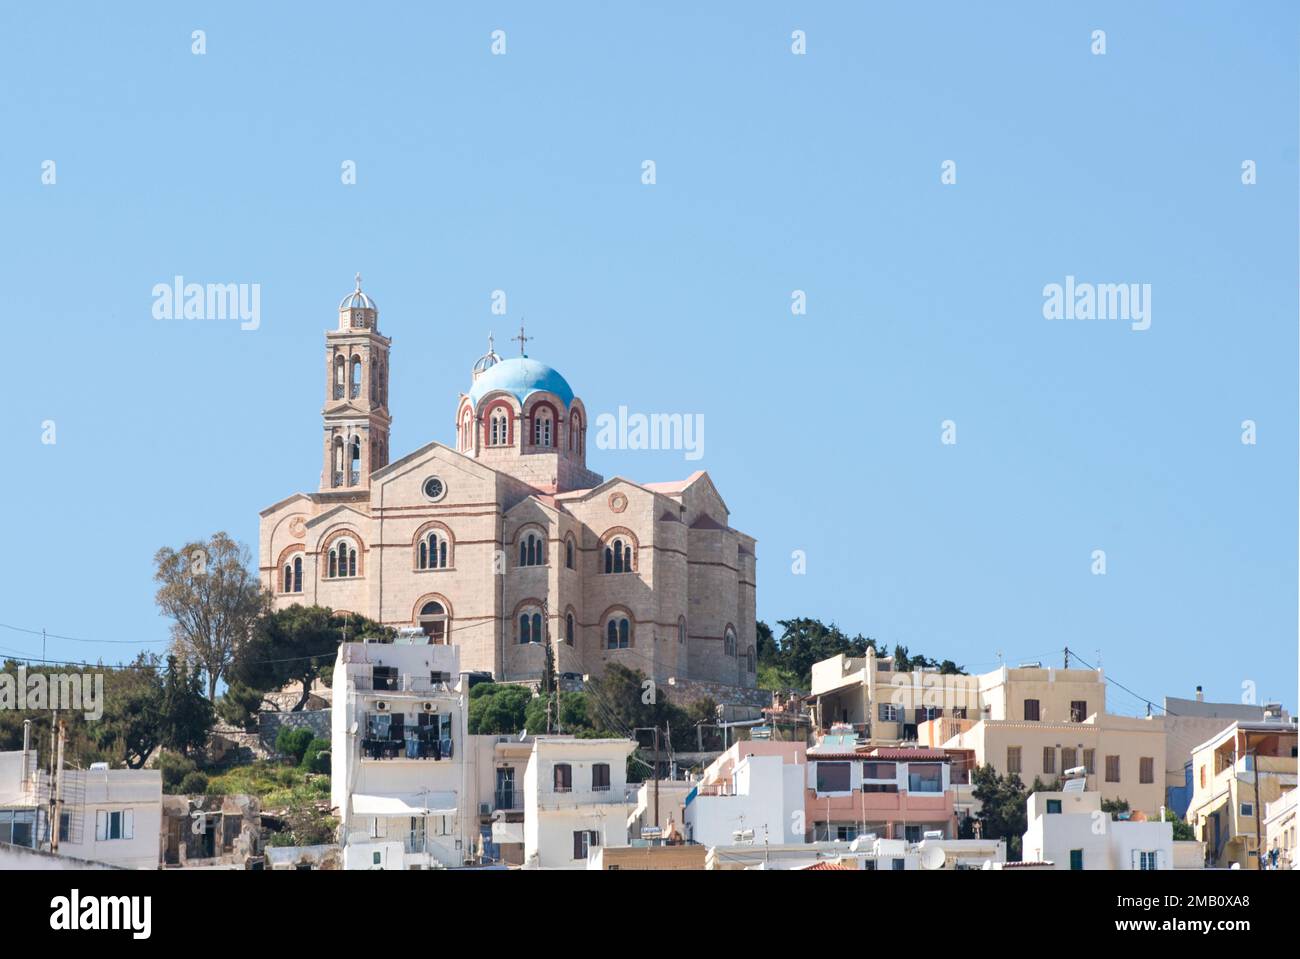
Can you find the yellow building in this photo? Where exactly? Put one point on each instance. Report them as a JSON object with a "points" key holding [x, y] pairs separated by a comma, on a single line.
{"points": [[1124, 757], [1246, 764]]}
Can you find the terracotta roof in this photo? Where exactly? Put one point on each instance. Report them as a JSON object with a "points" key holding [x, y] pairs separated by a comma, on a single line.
{"points": [[825, 865], [900, 752], [1028, 862]]}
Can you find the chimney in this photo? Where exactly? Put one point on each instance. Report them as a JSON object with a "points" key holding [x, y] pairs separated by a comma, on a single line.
{"points": [[1200, 696]]}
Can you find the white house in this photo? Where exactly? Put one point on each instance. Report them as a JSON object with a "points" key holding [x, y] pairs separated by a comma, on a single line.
{"points": [[111, 816], [754, 792], [1069, 830], [398, 760], [574, 799]]}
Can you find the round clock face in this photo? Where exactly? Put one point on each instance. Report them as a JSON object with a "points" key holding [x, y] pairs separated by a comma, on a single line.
{"points": [[434, 488]]}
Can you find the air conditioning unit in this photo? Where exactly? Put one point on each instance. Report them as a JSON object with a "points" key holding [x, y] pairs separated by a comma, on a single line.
{"points": [[430, 707], [381, 706]]}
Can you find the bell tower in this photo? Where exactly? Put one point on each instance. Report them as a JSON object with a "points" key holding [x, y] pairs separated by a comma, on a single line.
{"points": [[356, 415]]}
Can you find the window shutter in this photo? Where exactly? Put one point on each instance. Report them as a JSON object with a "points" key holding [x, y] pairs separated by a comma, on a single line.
{"points": [[101, 825], [128, 824]]}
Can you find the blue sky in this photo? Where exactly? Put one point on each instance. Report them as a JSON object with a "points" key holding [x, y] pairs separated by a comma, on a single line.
{"points": [[775, 173]]}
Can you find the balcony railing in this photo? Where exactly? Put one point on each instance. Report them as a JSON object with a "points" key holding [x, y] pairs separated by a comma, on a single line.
{"points": [[354, 478], [338, 391], [406, 747], [338, 478], [356, 390], [508, 799]]}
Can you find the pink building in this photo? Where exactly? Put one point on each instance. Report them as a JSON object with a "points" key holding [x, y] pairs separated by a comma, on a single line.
{"points": [[893, 792]]}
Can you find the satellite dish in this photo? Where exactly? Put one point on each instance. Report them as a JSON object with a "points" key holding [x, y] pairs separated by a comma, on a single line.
{"points": [[932, 857]]}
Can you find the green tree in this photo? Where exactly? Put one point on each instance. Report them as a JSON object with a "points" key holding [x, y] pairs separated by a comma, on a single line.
{"points": [[1002, 812], [240, 704], [1183, 830], [131, 724], [294, 645], [211, 594], [174, 769], [185, 715], [497, 709]]}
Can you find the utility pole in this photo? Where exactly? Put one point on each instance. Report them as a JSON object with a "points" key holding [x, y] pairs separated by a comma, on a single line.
{"points": [[56, 795], [657, 776], [1259, 841]]}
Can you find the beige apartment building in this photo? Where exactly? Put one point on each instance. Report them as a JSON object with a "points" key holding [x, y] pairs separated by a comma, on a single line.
{"points": [[1233, 772], [886, 707], [1031, 720], [1123, 757], [506, 541]]}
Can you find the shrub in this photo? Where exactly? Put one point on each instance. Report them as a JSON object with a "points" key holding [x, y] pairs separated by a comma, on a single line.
{"points": [[194, 783], [174, 768], [292, 741], [316, 758]]}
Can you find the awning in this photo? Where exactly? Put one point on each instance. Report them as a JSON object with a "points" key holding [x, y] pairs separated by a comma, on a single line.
{"points": [[404, 804]]}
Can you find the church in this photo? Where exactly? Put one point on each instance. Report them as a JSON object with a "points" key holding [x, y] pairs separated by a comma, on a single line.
{"points": [[506, 540]]}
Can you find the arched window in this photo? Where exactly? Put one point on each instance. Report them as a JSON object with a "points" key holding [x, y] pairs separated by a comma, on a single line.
{"points": [[532, 550], [356, 377], [543, 427], [749, 659], [432, 551], [568, 553], [618, 557], [568, 629], [530, 627], [342, 560], [467, 431], [434, 621], [618, 633], [729, 642], [337, 457], [575, 431], [340, 376], [499, 427], [288, 579], [297, 574], [356, 461]]}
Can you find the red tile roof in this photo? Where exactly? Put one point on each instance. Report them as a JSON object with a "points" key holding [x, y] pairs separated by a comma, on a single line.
{"points": [[827, 865]]}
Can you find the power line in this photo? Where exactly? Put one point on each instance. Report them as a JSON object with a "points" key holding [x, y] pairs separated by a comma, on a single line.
{"points": [[1114, 682], [76, 639]]}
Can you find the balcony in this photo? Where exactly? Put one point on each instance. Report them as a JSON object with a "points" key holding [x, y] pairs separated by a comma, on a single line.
{"points": [[416, 745], [508, 800]]}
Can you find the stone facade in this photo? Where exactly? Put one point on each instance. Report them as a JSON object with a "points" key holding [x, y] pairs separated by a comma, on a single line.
{"points": [[507, 540], [269, 724]]}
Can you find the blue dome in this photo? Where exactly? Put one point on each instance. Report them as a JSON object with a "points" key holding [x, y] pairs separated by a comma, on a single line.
{"points": [[521, 377]]}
